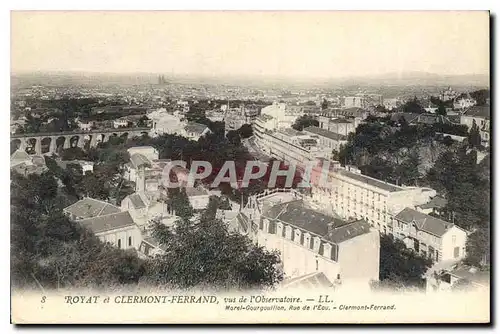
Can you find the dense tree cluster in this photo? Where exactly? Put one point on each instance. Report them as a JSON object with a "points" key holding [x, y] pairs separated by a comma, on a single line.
{"points": [[49, 251], [304, 121], [202, 252], [400, 268]]}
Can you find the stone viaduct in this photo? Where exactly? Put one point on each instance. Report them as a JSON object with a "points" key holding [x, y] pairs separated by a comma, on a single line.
{"points": [[48, 143]]}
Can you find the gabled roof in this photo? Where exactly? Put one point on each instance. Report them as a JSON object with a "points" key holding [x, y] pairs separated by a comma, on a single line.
{"points": [[424, 222], [436, 202], [20, 155], [137, 160], [478, 111], [329, 228], [195, 127], [109, 222], [348, 231], [137, 201], [90, 207]]}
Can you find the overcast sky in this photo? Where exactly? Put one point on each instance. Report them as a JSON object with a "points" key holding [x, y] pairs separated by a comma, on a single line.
{"points": [[294, 44]]}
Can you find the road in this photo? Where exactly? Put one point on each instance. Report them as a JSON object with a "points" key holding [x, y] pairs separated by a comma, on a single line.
{"points": [[254, 150]]}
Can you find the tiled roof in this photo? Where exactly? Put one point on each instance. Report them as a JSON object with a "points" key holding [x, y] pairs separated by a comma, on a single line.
{"points": [[196, 191], [369, 180], [195, 127], [89, 207], [108, 222], [478, 111], [348, 231], [328, 227], [341, 121], [436, 202], [424, 222], [137, 201], [243, 221], [325, 133], [20, 155], [138, 160]]}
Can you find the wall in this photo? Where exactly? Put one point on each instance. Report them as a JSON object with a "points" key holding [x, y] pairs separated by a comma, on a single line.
{"points": [[298, 260], [123, 234], [448, 245], [359, 258]]}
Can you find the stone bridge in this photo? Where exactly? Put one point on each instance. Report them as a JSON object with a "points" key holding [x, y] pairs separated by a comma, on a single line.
{"points": [[48, 143]]}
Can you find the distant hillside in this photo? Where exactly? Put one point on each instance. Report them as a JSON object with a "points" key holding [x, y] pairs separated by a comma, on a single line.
{"points": [[419, 79]]}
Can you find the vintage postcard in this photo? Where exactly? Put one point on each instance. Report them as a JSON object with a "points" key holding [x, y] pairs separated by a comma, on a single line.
{"points": [[177, 167]]}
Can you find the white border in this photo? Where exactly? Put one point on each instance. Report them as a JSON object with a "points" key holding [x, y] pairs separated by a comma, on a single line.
{"points": [[188, 5]]}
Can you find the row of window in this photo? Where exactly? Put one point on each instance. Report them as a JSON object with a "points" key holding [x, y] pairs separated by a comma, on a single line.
{"points": [[302, 238], [119, 242]]}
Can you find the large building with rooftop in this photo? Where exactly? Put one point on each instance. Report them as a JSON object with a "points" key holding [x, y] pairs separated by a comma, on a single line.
{"points": [[310, 241]]}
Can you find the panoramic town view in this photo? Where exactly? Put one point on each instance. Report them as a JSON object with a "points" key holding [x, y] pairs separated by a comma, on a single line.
{"points": [[358, 174]]}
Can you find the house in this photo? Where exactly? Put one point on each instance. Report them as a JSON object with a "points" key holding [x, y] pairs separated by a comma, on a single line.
{"points": [[435, 205], [464, 102], [89, 208], [85, 125], [87, 166], [456, 276], [119, 229], [20, 157], [26, 164], [195, 131], [327, 139], [198, 197], [120, 123], [430, 236], [480, 115], [312, 242], [149, 152], [150, 247]]}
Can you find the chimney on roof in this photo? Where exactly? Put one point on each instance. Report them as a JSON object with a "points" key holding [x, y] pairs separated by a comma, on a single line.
{"points": [[331, 226]]}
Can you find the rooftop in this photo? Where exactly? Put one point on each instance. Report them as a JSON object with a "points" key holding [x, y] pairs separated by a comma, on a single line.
{"points": [[328, 227], [20, 155], [137, 201], [478, 111], [195, 127], [196, 191], [325, 133], [424, 222], [137, 160], [90, 207], [108, 222], [369, 180], [436, 202]]}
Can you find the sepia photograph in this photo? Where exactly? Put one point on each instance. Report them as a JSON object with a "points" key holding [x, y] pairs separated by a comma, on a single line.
{"points": [[250, 167]]}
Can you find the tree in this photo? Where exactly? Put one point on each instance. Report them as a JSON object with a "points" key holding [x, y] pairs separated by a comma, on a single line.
{"points": [[46, 245], [179, 201], [441, 110], [245, 131], [400, 264], [478, 247], [474, 136], [413, 106], [204, 254], [143, 121], [304, 121], [324, 104]]}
